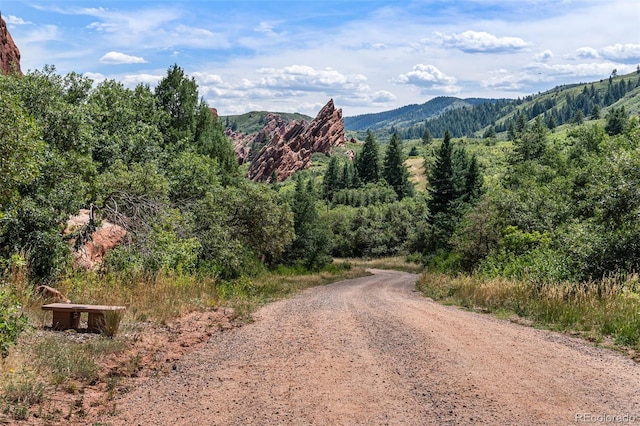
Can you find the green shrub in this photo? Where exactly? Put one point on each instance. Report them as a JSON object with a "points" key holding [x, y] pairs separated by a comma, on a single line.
{"points": [[12, 320]]}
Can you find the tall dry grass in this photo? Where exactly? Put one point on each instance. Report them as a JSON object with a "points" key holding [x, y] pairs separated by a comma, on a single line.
{"points": [[59, 360], [596, 309]]}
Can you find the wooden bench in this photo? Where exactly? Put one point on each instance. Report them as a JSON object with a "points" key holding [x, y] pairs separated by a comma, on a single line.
{"points": [[67, 315]]}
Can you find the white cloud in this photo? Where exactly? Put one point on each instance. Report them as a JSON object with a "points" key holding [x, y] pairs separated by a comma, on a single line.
{"points": [[543, 56], [116, 58], [14, 20], [382, 97], [95, 76], [585, 53], [206, 78], [506, 80], [310, 108], [266, 29], [430, 79], [306, 78], [425, 76], [592, 69], [481, 42], [621, 52], [132, 80]]}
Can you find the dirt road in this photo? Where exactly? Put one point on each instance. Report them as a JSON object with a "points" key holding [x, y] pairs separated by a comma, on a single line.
{"points": [[374, 351]]}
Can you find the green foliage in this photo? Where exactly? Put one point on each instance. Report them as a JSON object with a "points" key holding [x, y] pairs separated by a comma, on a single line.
{"points": [[238, 225], [530, 143], [455, 183], [177, 95], [441, 182], [312, 243], [330, 181], [385, 229], [20, 146], [12, 320], [368, 161], [394, 171], [616, 121], [366, 195], [125, 124]]}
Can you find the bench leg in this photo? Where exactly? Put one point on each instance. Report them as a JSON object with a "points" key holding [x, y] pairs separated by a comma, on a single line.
{"points": [[96, 322], [66, 320]]}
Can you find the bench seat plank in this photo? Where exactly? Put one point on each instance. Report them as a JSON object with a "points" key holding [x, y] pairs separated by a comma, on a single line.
{"points": [[73, 307], [67, 315]]}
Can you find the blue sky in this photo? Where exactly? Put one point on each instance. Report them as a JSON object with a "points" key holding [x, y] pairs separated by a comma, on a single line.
{"points": [[369, 56]]}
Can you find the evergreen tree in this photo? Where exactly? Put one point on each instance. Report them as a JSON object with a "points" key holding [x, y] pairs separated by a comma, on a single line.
{"points": [[521, 123], [532, 144], [312, 243], [490, 133], [394, 171], [442, 189], [511, 131], [367, 163], [178, 96], [330, 181], [473, 181], [349, 177], [426, 137], [616, 121], [578, 117], [210, 140]]}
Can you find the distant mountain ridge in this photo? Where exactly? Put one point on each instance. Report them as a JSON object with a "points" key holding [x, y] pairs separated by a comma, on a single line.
{"points": [[472, 117], [410, 114]]}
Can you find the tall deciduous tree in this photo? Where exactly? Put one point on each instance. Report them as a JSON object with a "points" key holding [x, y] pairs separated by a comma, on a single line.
{"points": [[394, 171]]}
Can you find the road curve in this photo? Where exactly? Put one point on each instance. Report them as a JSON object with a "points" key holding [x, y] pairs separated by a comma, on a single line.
{"points": [[374, 351]]}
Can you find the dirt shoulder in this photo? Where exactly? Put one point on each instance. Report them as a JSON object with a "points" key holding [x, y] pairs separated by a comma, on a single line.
{"points": [[374, 351]]}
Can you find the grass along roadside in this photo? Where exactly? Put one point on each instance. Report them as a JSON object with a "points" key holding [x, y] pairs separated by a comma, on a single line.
{"points": [[397, 263], [598, 311], [57, 377]]}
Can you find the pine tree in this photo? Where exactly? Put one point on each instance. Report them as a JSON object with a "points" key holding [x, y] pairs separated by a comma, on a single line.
{"points": [[394, 170], [368, 162], [330, 182], [616, 121], [521, 123], [473, 181], [312, 243], [532, 144], [178, 96], [426, 137], [441, 189]]}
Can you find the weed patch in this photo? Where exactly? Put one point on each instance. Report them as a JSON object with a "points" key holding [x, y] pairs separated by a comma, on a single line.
{"points": [[608, 308]]}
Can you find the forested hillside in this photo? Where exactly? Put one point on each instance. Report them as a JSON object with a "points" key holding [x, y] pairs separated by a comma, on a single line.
{"points": [[252, 122], [408, 115], [475, 117]]}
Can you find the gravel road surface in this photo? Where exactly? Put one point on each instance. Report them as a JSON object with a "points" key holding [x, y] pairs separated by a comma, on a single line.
{"points": [[374, 351]]}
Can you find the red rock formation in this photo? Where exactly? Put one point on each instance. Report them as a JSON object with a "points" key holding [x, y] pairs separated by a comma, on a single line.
{"points": [[290, 144], [9, 53], [107, 237]]}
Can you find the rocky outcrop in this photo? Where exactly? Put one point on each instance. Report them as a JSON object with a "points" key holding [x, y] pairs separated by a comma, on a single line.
{"points": [[104, 238], [9, 53], [286, 147]]}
